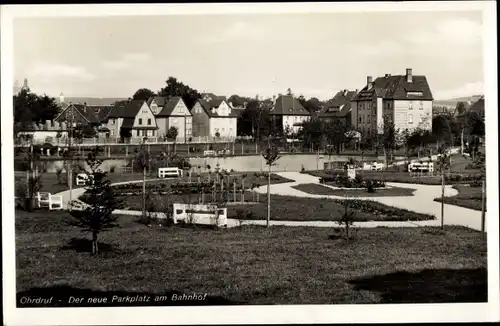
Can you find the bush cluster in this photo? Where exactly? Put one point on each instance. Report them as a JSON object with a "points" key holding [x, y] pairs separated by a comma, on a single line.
{"points": [[343, 181]]}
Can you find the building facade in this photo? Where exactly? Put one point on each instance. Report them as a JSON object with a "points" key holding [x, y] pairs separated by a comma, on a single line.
{"points": [[174, 113], [132, 119], [212, 117], [406, 100], [288, 114]]}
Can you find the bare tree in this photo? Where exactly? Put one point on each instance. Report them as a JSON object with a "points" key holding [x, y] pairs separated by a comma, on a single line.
{"points": [[141, 161], [271, 156]]}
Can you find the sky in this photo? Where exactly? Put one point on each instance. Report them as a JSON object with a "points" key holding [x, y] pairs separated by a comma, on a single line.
{"points": [[314, 54]]}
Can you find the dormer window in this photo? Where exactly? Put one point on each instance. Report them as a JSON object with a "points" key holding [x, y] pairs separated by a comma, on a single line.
{"points": [[413, 93]]}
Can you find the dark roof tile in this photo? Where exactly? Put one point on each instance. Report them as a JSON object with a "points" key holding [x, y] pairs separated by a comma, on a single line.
{"points": [[397, 88], [288, 105], [126, 110]]}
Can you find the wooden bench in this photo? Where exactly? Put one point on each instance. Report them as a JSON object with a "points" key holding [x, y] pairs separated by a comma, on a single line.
{"points": [[46, 199]]}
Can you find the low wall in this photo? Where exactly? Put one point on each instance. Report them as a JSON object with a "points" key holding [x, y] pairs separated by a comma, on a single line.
{"points": [[251, 163]]}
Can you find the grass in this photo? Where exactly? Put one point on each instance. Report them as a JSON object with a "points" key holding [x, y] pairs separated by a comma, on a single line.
{"points": [[287, 208], [250, 265], [317, 189], [468, 197]]}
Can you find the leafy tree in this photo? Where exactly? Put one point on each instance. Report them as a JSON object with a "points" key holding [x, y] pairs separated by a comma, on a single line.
{"points": [[30, 107], [237, 101], [271, 156], [172, 133], [143, 94], [388, 138], [175, 87], [97, 216]]}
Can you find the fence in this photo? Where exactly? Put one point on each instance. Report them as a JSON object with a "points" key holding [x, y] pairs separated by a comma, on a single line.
{"points": [[101, 141]]}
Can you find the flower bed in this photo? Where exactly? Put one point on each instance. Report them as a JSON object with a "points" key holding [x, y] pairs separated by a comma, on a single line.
{"points": [[343, 181]]}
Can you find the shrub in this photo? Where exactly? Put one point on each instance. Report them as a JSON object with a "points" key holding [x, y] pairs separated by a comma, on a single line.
{"points": [[369, 187], [112, 168]]}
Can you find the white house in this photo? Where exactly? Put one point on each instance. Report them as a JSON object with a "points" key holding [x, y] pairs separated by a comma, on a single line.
{"points": [[288, 113], [212, 117]]}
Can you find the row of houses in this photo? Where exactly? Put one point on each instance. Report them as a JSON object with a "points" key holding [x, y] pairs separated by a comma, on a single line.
{"points": [[405, 99]]}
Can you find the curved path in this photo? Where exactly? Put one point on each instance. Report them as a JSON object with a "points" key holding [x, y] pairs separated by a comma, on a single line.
{"points": [[421, 202]]}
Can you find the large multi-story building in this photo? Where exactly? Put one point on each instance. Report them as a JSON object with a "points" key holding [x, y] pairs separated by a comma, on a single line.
{"points": [[406, 100]]}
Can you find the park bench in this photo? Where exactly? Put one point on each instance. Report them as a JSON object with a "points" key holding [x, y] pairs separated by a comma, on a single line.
{"points": [[46, 199]]}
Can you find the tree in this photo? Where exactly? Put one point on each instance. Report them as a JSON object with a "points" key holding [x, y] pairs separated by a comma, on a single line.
{"points": [[175, 87], [347, 219], [172, 133], [143, 94], [388, 137], [97, 216], [30, 107], [271, 156], [141, 161]]}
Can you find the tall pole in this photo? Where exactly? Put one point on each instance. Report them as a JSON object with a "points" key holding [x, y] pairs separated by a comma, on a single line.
{"points": [[269, 196], [70, 162], [483, 208], [442, 199]]}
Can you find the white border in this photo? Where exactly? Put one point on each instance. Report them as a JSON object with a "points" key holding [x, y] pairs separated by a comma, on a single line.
{"points": [[247, 314]]}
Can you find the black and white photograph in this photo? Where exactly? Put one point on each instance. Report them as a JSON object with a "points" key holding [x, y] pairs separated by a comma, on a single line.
{"points": [[250, 163]]}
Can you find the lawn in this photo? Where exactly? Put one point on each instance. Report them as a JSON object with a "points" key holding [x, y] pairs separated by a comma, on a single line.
{"points": [[287, 208], [317, 189], [250, 265], [468, 197]]}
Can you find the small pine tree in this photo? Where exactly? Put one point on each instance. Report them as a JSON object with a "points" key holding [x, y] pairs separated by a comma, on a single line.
{"points": [[97, 215]]}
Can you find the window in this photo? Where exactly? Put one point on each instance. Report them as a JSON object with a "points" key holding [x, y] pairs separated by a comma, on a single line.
{"points": [[153, 132], [410, 105], [112, 121], [421, 119], [149, 122], [359, 119], [410, 118], [138, 132], [421, 105], [140, 121], [112, 132]]}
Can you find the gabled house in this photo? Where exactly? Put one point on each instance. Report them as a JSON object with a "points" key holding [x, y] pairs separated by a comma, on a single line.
{"points": [[288, 113], [132, 119], [174, 113], [212, 117], [79, 115], [156, 104], [406, 100], [478, 107], [338, 108], [102, 112]]}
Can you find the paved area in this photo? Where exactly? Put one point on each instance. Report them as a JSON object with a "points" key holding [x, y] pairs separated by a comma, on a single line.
{"points": [[421, 202]]}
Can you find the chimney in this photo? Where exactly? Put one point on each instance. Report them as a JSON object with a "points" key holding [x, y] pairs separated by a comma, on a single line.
{"points": [[345, 92], [387, 75], [369, 81], [85, 107], [409, 76]]}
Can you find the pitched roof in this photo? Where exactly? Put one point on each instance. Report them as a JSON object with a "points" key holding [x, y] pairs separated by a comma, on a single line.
{"points": [[160, 100], [288, 105], [169, 106], [478, 107], [397, 88], [84, 110], [209, 105], [126, 110], [101, 111], [339, 105]]}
